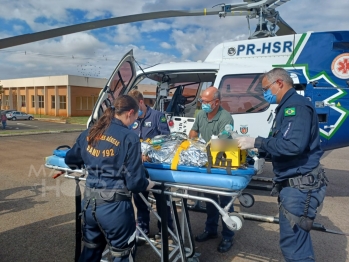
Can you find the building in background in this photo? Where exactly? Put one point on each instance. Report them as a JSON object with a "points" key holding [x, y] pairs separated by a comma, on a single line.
{"points": [[65, 95]]}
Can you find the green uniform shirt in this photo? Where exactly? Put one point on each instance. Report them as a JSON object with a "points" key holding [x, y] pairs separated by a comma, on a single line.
{"points": [[215, 126]]}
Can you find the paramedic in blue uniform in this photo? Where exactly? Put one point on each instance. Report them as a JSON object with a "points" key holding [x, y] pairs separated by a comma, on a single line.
{"points": [[111, 153], [294, 146], [149, 124], [212, 121]]}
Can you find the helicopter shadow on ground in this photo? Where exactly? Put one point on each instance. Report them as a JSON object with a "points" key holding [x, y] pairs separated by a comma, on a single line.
{"points": [[46, 240], [19, 199]]}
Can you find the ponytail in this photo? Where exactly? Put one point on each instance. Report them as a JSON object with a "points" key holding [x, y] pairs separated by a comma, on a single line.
{"points": [[122, 104]]}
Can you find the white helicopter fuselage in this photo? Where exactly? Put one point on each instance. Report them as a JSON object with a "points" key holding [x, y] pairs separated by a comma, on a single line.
{"points": [[231, 60], [316, 62]]}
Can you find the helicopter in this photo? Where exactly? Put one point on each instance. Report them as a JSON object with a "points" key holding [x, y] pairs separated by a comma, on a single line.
{"points": [[235, 68]]}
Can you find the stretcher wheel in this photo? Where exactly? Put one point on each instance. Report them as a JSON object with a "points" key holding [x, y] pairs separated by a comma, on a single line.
{"points": [[246, 200], [238, 219]]}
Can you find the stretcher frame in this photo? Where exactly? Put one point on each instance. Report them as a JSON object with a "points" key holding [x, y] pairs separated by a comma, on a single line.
{"points": [[184, 247], [184, 250]]}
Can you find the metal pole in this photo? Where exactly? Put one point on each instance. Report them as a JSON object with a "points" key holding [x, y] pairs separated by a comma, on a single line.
{"points": [[164, 232], [78, 234]]}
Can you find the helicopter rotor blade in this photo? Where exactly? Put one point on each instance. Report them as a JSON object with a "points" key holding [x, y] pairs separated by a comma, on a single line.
{"points": [[248, 8], [29, 38]]}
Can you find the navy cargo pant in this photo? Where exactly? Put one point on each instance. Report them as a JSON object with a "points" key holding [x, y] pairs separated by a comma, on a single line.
{"points": [[143, 215], [295, 243], [117, 221], [213, 216]]}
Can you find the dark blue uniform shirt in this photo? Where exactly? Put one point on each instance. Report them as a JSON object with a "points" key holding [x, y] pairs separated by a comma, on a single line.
{"points": [[294, 141], [152, 124], [114, 162]]}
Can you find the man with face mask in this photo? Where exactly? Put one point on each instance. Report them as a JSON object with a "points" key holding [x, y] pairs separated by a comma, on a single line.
{"points": [[149, 124], [212, 121], [294, 146]]}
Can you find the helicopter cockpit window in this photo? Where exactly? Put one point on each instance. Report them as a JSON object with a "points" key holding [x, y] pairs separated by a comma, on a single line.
{"points": [[242, 94], [120, 80], [190, 91], [341, 46]]}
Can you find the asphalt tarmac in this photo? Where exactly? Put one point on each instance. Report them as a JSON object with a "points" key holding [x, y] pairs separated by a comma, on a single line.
{"points": [[35, 125], [37, 211]]}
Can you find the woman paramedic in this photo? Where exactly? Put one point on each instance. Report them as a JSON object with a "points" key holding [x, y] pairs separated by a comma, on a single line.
{"points": [[111, 154]]}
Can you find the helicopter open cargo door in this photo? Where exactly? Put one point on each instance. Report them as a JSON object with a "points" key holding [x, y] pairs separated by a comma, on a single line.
{"points": [[242, 96], [123, 75]]}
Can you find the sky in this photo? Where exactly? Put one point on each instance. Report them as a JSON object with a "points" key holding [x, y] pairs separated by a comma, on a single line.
{"points": [[95, 53]]}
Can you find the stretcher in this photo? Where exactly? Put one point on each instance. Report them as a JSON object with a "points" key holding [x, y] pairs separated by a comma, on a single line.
{"points": [[185, 183]]}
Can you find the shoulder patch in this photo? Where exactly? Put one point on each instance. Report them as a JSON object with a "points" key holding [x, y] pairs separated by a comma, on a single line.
{"points": [[163, 119], [135, 125], [290, 111]]}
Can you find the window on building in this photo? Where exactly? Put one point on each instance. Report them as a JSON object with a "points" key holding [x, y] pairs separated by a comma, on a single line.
{"points": [[90, 103], [23, 101], [41, 101], [78, 103], [62, 102], [33, 101], [53, 102], [242, 94], [6, 101], [85, 102]]}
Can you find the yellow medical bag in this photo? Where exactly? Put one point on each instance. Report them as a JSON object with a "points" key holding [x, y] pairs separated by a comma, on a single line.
{"points": [[225, 153]]}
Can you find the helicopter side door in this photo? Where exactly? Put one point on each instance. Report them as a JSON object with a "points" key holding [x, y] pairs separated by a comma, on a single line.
{"points": [[242, 96], [123, 75]]}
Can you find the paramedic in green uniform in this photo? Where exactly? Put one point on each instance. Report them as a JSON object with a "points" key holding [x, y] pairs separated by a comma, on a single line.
{"points": [[211, 120]]}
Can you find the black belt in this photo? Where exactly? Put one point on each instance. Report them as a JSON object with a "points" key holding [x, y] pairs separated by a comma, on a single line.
{"points": [[313, 180], [107, 195]]}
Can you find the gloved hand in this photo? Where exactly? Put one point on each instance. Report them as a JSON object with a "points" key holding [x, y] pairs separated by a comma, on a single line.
{"points": [[151, 185], [246, 142]]}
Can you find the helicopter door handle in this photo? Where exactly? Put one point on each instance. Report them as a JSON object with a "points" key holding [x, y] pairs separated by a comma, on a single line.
{"points": [[330, 104], [329, 127]]}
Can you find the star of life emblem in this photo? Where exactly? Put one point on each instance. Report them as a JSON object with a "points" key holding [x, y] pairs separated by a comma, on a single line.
{"points": [[340, 66]]}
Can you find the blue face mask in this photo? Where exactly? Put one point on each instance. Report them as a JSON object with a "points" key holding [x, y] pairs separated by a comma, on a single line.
{"points": [[131, 126], [140, 112], [269, 97], [206, 108]]}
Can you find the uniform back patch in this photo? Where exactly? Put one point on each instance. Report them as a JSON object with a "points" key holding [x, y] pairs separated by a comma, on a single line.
{"points": [[290, 111], [163, 119]]}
